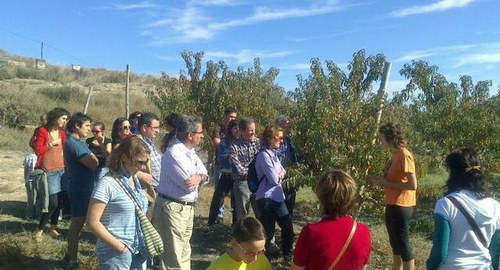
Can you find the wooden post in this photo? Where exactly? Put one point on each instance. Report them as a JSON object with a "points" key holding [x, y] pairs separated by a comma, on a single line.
{"points": [[127, 92], [88, 100], [381, 96]]}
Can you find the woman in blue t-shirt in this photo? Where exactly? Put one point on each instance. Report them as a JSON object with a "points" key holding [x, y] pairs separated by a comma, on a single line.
{"points": [[111, 214]]}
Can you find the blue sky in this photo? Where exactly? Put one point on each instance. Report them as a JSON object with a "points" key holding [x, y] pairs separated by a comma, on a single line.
{"points": [[462, 37]]}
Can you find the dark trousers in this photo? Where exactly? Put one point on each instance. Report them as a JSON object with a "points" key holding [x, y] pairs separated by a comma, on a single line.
{"points": [[272, 212], [53, 214], [223, 187], [290, 195], [397, 221]]}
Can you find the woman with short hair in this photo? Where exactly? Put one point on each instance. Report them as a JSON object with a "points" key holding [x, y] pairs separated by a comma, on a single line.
{"points": [[320, 244], [456, 245], [112, 216], [400, 184], [269, 197]]}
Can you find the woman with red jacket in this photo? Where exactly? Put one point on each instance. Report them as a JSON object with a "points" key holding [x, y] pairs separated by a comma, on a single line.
{"points": [[49, 149]]}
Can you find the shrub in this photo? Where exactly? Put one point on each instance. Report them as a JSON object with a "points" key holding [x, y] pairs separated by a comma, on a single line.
{"points": [[64, 93]]}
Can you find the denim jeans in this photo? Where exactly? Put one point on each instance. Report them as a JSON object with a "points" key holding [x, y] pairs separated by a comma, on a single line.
{"points": [[272, 212], [113, 260], [222, 188]]}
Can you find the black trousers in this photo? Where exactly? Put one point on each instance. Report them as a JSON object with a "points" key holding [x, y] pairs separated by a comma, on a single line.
{"points": [[272, 212], [397, 221], [54, 210]]}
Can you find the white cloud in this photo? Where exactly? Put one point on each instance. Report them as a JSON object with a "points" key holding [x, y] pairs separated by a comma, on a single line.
{"points": [[441, 5], [169, 58], [247, 56], [140, 5], [479, 59], [216, 2], [444, 50], [298, 66], [309, 38], [192, 23]]}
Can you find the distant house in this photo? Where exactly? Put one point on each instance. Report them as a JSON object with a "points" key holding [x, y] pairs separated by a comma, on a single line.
{"points": [[4, 61], [40, 64], [76, 67]]}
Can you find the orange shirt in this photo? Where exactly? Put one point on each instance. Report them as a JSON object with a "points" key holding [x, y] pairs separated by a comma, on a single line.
{"points": [[53, 158], [401, 163]]}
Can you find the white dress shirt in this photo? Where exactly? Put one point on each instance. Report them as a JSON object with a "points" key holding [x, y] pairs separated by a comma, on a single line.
{"points": [[177, 165]]}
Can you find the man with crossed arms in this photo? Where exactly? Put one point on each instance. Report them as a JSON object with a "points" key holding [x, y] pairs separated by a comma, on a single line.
{"points": [[182, 172]]}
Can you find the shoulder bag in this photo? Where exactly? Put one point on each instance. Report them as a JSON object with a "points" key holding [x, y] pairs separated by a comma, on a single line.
{"points": [[347, 242], [152, 239]]}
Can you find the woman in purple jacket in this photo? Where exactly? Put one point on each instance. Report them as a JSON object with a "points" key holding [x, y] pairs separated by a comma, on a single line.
{"points": [[270, 197]]}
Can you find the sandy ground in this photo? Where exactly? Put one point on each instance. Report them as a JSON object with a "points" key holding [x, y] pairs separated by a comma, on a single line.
{"points": [[11, 176]]}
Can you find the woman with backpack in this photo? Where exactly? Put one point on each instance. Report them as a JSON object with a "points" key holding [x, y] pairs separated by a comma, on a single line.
{"points": [[467, 219], [269, 196]]}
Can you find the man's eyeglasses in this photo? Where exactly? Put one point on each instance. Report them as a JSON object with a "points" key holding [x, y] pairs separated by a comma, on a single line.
{"points": [[198, 132], [154, 128], [251, 253], [143, 162], [96, 130]]}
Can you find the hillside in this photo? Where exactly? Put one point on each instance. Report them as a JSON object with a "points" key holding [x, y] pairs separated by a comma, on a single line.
{"points": [[27, 92]]}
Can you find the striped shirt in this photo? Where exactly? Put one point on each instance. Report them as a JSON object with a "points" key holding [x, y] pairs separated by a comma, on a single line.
{"points": [[241, 154], [178, 164], [155, 160], [119, 216]]}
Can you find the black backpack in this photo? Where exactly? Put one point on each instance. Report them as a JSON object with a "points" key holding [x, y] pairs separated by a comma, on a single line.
{"points": [[252, 180]]}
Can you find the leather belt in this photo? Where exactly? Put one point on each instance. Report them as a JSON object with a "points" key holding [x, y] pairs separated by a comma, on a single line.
{"points": [[175, 200]]}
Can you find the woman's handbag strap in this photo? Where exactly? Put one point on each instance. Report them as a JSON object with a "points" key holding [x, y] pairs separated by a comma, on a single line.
{"points": [[347, 242], [469, 219], [136, 205]]}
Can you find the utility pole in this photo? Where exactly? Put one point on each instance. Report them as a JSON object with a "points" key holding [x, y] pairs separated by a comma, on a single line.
{"points": [[41, 52], [127, 92], [88, 100]]}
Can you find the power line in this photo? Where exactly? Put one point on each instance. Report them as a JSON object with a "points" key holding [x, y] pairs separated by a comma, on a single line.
{"points": [[45, 44]]}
